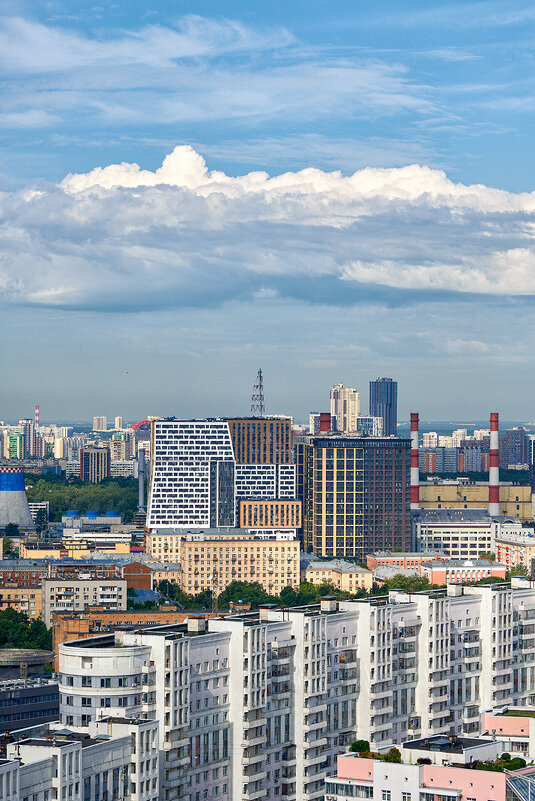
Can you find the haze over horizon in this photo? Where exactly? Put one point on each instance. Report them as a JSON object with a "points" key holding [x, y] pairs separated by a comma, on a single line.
{"points": [[332, 193]]}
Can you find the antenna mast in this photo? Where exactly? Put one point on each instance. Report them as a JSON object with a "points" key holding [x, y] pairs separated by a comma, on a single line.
{"points": [[257, 399]]}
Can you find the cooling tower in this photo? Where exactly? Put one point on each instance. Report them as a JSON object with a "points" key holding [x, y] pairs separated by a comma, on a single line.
{"points": [[13, 502]]}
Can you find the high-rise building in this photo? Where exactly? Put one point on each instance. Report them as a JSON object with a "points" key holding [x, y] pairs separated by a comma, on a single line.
{"points": [[345, 408], [94, 464], [514, 447], [355, 494], [100, 423], [118, 423], [192, 476], [384, 403], [265, 440], [294, 687], [196, 481], [430, 439]]}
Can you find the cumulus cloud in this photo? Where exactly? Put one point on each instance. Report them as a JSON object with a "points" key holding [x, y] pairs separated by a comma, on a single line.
{"points": [[122, 237]]}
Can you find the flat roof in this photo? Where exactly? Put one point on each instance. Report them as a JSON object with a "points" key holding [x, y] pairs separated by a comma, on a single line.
{"points": [[453, 516], [453, 745]]}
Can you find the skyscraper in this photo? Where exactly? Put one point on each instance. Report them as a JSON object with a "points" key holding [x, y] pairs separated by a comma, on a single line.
{"points": [[345, 408], [100, 423], [355, 494], [94, 464], [384, 403]]}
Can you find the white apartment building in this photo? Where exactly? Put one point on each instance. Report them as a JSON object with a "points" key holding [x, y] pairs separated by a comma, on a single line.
{"points": [[430, 439], [75, 595], [259, 706], [100, 423], [265, 481], [195, 481], [459, 533], [124, 467], [192, 474], [116, 758], [345, 408]]}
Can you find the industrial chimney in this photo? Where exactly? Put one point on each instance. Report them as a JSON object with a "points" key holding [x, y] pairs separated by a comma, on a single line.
{"points": [[415, 463], [494, 467], [141, 479]]}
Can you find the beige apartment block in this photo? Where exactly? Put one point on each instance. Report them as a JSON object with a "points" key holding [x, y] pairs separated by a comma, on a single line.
{"points": [[208, 558], [76, 595], [341, 574], [22, 599], [514, 550]]}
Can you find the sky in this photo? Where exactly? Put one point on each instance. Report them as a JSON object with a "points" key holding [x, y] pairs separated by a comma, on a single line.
{"points": [[331, 191]]}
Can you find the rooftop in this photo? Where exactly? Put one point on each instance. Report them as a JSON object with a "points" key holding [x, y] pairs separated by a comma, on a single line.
{"points": [[453, 516], [451, 744]]}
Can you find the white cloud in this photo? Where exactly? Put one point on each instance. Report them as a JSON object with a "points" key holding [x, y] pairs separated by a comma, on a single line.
{"points": [[197, 70], [120, 237]]}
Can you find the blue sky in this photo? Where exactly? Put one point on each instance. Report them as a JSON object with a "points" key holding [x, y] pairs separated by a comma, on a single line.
{"points": [[157, 289]]}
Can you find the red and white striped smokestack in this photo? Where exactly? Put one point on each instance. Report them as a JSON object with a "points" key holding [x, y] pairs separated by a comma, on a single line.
{"points": [[36, 416], [494, 467], [415, 462]]}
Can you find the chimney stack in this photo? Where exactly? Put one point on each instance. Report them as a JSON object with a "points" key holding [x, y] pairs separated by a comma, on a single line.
{"points": [[141, 478], [494, 467], [415, 463]]}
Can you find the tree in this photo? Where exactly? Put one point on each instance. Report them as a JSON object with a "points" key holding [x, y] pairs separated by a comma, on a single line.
{"points": [[41, 521], [16, 631], [253, 594], [488, 555], [8, 549], [360, 746], [11, 530], [519, 570]]}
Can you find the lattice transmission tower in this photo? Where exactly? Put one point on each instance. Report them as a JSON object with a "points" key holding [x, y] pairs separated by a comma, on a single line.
{"points": [[257, 398]]}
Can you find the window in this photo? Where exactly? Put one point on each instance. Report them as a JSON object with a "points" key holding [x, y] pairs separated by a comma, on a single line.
{"points": [[405, 797], [387, 795]]}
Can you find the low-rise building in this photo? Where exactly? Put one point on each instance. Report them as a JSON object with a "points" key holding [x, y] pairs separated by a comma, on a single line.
{"points": [[459, 533], [341, 574], [405, 560], [461, 571], [76, 595], [445, 773], [71, 548], [515, 725], [26, 702]]}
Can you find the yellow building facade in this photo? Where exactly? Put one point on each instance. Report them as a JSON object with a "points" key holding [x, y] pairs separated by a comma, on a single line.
{"points": [[347, 577], [515, 501], [22, 599], [206, 559], [70, 548]]}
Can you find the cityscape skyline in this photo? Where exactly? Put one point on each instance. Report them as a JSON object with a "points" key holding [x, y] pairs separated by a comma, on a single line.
{"points": [[333, 195]]}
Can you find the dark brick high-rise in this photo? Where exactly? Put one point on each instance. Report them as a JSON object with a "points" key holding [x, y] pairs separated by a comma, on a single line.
{"points": [[355, 493]]}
